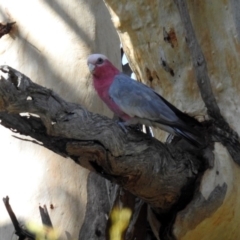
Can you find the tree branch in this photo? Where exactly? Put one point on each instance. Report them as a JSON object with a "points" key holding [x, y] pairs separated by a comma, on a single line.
{"points": [[19, 230], [157, 173], [222, 130]]}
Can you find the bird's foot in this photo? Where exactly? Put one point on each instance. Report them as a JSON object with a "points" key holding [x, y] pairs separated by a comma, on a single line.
{"points": [[123, 126]]}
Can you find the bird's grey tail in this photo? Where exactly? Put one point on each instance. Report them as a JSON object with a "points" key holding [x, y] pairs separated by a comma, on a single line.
{"points": [[196, 139]]}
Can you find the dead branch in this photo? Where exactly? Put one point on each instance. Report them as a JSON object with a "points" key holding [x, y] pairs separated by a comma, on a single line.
{"points": [[19, 230]]}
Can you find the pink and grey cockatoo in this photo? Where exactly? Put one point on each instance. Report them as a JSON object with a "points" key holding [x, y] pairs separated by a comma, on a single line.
{"points": [[135, 102]]}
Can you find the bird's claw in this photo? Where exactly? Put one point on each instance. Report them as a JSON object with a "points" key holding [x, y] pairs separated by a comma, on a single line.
{"points": [[123, 127]]}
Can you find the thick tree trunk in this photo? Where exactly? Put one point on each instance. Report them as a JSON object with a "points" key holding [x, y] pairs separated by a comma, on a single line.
{"points": [[189, 52]]}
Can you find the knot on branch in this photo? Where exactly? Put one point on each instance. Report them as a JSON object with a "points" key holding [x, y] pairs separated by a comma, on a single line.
{"points": [[6, 28]]}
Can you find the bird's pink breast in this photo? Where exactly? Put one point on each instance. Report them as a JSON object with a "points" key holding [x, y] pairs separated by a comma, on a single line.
{"points": [[102, 80]]}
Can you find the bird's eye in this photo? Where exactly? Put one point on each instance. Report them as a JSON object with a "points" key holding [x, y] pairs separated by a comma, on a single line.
{"points": [[99, 61]]}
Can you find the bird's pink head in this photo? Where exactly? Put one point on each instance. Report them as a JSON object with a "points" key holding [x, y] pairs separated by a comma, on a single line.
{"points": [[100, 67]]}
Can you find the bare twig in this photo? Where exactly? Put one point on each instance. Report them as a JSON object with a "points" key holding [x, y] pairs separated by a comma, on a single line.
{"points": [[19, 231], [45, 216]]}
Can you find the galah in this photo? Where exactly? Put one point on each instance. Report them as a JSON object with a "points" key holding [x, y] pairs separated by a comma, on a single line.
{"points": [[136, 103]]}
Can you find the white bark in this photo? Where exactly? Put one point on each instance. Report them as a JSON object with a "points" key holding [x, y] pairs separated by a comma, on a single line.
{"points": [[155, 38]]}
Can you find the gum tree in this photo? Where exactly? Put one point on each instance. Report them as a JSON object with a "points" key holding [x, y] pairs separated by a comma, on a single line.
{"points": [[188, 52]]}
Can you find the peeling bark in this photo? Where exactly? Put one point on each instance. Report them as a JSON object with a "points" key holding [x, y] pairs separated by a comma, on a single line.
{"points": [[19, 230]]}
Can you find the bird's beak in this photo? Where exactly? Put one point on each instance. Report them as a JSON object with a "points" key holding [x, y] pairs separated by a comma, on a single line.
{"points": [[91, 67]]}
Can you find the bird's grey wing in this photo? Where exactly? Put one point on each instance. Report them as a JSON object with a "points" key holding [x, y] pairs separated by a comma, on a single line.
{"points": [[138, 100]]}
